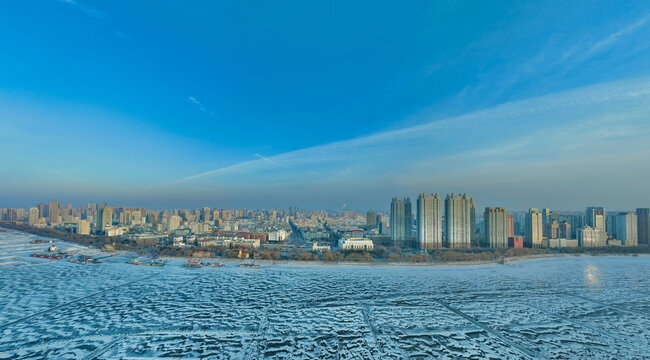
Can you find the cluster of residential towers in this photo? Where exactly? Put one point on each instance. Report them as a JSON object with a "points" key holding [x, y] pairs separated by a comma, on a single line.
{"points": [[456, 227]]}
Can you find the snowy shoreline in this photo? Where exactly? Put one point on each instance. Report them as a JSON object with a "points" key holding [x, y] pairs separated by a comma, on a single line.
{"points": [[521, 258], [299, 263]]}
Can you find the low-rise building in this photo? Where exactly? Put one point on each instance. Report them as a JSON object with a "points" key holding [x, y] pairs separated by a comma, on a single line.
{"points": [[245, 243], [279, 235], [516, 242], [114, 231], [356, 244], [322, 248], [560, 243]]}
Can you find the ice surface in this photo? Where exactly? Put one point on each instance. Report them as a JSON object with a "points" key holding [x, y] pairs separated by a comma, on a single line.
{"points": [[569, 307]]}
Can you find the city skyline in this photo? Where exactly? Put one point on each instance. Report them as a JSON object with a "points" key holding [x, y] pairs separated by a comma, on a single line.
{"points": [[429, 228], [315, 106], [380, 210]]}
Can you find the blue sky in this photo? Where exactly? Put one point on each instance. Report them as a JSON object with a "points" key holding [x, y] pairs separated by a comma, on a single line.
{"points": [[320, 104]]}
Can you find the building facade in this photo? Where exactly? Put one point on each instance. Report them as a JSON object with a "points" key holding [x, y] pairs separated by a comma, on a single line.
{"points": [[173, 223], [643, 225], [356, 244], [511, 226], [496, 226], [104, 218], [33, 216], [429, 222], [626, 229], [551, 229], [83, 227], [458, 221], [372, 220], [590, 237], [533, 238], [516, 242], [565, 230], [401, 222], [595, 218], [53, 212]]}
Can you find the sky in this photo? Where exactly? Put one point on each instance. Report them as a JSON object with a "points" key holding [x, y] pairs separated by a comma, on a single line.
{"points": [[263, 104]]}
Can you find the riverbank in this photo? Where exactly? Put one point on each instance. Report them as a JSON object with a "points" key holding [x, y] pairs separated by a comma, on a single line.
{"points": [[403, 264], [447, 257], [97, 241]]}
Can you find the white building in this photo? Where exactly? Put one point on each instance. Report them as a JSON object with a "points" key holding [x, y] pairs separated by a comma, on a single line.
{"points": [[114, 231], [279, 235], [356, 244], [199, 228], [595, 218], [178, 241], [316, 247], [591, 237], [173, 223]]}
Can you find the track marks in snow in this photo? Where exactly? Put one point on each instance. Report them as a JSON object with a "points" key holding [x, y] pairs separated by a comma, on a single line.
{"points": [[527, 352], [601, 332], [74, 301]]}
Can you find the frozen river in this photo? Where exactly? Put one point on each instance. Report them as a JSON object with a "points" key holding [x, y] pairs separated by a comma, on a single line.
{"points": [[569, 307]]}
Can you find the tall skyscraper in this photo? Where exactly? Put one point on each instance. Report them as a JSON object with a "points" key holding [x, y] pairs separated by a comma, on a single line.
{"points": [[54, 212], [595, 217], [496, 227], [371, 220], [473, 238], [626, 229], [533, 238], [173, 223], [401, 222], [565, 230], [83, 227], [546, 216], [429, 221], [643, 225], [577, 222], [458, 219], [511, 226], [43, 210], [33, 216], [610, 225], [104, 218], [551, 230], [205, 214]]}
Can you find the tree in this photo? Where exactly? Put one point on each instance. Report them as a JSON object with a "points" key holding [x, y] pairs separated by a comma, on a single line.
{"points": [[331, 256]]}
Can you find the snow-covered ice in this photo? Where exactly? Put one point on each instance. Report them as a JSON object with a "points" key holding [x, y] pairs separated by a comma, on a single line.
{"points": [[568, 307]]}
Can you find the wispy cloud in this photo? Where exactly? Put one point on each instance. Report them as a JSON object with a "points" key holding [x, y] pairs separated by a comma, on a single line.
{"points": [[201, 106], [268, 160], [561, 53], [534, 124], [87, 9], [613, 38]]}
